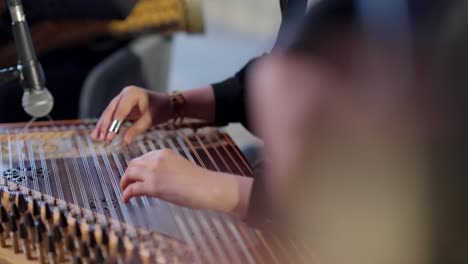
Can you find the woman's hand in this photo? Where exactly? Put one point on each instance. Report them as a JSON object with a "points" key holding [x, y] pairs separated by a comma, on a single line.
{"points": [[167, 175], [144, 107]]}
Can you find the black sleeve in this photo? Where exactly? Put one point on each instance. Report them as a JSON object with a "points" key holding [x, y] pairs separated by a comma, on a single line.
{"points": [[78, 9], [231, 97]]}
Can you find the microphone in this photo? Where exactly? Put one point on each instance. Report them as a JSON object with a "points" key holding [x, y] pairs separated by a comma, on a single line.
{"points": [[37, 101]]}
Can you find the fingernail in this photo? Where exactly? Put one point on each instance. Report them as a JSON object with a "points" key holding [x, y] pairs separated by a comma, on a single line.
{"points": [[110, 136]]}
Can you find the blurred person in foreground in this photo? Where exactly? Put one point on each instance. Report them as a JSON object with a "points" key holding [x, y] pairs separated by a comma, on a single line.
{"points": [[65, 67], [368, 162]]}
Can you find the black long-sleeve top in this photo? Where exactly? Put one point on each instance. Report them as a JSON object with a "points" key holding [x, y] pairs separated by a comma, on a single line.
{"points": [[230, 95]]}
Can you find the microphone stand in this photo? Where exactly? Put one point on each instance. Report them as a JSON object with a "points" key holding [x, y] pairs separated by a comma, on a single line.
{"points": [[9, 75], [37, 100]]}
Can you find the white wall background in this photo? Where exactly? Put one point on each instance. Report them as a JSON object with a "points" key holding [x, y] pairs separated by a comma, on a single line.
{"points": [[236, 31]]}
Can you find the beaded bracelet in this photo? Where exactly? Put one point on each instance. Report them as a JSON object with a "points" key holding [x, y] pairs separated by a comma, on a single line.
{"points": [[178, 104]]}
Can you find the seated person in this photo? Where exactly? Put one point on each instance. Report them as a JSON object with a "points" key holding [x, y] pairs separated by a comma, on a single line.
{"points": [[319, 46], [219, 103]]}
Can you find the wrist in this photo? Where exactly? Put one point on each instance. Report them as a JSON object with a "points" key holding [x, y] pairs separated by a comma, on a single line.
{"points": [[223, 193], [177, 105], [200, 103], [160, 106]]}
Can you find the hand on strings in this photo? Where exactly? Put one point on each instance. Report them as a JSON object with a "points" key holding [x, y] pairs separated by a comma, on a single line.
{"points": [[145, 108], [167, 175]]}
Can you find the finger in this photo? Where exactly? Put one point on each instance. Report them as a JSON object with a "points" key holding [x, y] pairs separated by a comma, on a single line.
{"points": [[133, 115], [123, 109], [136, 189], [139, 126], [99, 132], [132, 174]]}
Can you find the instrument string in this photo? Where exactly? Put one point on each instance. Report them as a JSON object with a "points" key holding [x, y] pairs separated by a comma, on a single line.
{"points": [[21, 145], [233, 224], [223, 145], [184, 218], [152, 147], [135, 218], [10, 158], [100, 175], [73, 174], [267, 246], [36, 165], [57, 176], [32, 164], [231, 170], [68, 174], [70, 184], [44, 169], [242, 158], [56, 179], [258, 235], [124, 206], [150, 201], [84, 162], [202, 217], [239, 155], [143, 151], [32, 151], [240, 227], [286, 252], [218, 217], [159, 202], [144, 199], [78, 177], [21, 165], [115, 184], [128, 157], [116, 187], [2, 167]]}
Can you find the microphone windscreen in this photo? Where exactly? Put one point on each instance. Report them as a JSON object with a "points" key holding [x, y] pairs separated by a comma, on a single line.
{"points": [[37, 103]]}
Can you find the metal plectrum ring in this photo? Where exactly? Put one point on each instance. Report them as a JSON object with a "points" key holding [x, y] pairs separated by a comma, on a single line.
{"points": [[115, 126]]}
